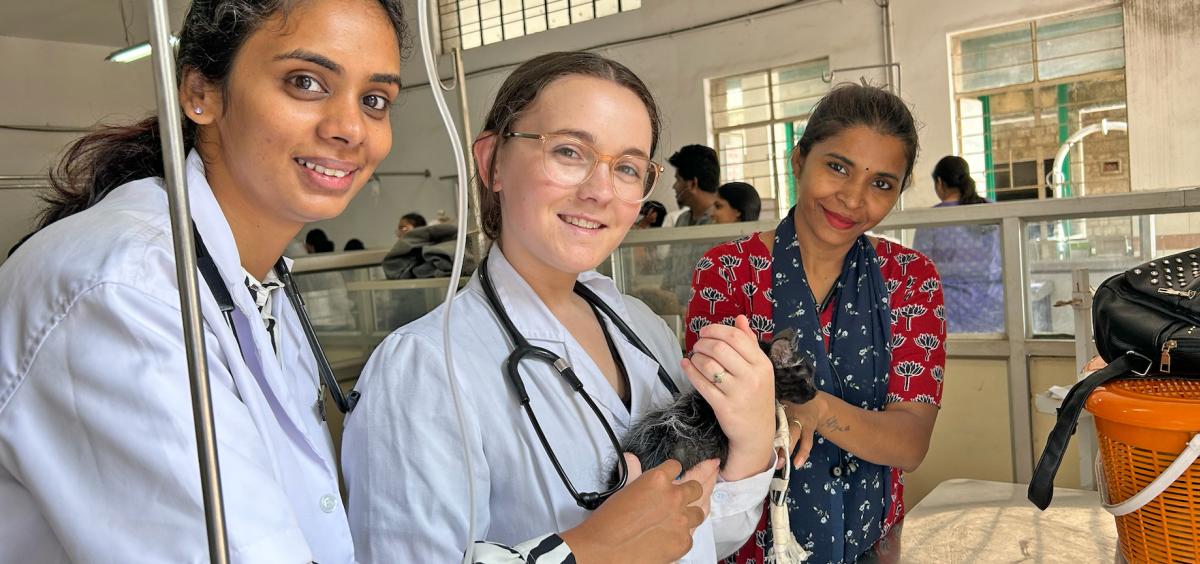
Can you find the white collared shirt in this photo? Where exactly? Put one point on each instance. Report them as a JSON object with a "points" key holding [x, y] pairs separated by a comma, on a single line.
{"points": [[263, 293], [401, 449], [97, 449]]}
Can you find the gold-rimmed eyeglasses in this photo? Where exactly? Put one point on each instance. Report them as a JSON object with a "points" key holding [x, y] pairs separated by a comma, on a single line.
{"points": [[570, 161]]}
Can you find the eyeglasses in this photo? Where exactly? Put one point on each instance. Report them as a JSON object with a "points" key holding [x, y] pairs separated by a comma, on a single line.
{"points": [[570, 161]]}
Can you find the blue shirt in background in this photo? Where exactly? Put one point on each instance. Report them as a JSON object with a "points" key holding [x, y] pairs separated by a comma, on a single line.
{"points": [[968, 259]]}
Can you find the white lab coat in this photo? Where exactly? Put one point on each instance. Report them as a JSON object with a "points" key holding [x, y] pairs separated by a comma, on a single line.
{"points": [[97, 448], [401, 449]]}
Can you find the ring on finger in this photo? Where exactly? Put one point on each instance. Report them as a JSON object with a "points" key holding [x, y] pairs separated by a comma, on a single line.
{"points": [[797, 423], [718, 377]]}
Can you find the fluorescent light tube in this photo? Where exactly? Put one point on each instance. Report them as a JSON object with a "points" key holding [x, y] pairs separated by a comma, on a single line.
{"points": [[135, 52]]}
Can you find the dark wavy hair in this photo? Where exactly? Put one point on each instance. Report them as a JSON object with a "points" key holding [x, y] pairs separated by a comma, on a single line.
{"points": [[519, 91], [850, 105], [955, 173], [213, 33], [699, 163]]}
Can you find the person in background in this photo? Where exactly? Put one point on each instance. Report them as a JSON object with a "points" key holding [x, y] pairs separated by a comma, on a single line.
{"points": [[967, 256], [646, 257], [697, 173], [866, 311], [408, 222], [652, 215], [317, 242], [354, 245], [736, 201]]}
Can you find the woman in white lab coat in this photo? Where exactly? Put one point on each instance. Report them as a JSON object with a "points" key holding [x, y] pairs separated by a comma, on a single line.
{"points": [[564, 166], [287, 110]]}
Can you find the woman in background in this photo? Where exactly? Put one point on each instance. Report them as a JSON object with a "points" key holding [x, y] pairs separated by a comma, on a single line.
{"points": [[967, 256], [736, 201]]}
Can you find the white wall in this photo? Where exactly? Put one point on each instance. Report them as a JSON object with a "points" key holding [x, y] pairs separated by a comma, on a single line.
{"points": [[70, 84], [676, 65], [1162, 72], [60, 84]]}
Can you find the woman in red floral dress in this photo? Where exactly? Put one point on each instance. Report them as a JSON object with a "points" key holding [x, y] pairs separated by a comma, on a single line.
{"points": [[868, 311]]}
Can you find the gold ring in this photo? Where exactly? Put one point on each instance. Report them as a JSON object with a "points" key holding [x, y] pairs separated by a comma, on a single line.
{"points": [[796, 423], [718, 377]]}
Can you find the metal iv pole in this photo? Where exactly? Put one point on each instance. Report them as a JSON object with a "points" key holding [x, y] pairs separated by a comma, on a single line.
{"points": [[170, 129]]}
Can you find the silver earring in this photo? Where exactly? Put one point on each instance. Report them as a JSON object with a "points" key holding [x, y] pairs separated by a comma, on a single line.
{"points": [[198, 110]]}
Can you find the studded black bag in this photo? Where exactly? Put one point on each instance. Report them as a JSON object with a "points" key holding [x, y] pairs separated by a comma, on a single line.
{"points": [[1146, 324]]}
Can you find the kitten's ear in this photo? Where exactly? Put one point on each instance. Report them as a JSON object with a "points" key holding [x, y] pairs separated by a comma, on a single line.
{"points": [[783, 348]]}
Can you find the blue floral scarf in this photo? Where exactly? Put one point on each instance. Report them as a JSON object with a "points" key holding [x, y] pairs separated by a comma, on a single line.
{"points": [[836, 501]]}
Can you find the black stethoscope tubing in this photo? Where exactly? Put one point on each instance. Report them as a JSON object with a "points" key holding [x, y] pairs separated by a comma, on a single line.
{"points": [[212, 279], [522, 350]]}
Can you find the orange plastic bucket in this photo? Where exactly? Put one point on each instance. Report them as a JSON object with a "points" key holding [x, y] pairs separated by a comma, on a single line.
{"points": [[1148, 427]]}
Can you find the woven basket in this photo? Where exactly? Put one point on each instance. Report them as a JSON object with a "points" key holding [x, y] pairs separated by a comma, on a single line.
{"points": [[1149, 439]]}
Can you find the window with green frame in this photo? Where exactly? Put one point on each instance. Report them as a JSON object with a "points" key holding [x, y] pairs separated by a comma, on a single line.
{"points": [[1021, 90], [755, 120]]}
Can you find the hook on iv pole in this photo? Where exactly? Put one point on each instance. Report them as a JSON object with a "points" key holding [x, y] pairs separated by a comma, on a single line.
{"points": [[453, 80]]}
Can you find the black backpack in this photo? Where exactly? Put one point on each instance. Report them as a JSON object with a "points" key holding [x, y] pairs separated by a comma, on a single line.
{"points": [[1146, 324]]}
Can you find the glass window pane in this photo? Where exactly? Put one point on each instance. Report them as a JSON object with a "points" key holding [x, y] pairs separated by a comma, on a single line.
{"points": [[535, 16], [606, 7], [492, 21], [581, 10], [969, 260], [1081, 44], [1105, 246], [559, 12], [660, 275], [994, 60]]}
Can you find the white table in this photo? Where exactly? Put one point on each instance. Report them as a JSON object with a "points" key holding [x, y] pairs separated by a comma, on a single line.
{"points": [[981, 521]]}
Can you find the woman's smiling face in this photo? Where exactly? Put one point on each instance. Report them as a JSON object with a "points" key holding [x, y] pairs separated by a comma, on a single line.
{"points": [[847, 184], [304, 118], [569, 229]]}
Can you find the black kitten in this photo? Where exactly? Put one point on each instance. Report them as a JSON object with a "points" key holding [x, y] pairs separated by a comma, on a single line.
{"points": [[687, 430]]}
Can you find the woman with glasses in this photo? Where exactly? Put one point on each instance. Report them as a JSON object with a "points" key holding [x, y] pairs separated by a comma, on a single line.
{"points": [[553, 361], [288, 112]]}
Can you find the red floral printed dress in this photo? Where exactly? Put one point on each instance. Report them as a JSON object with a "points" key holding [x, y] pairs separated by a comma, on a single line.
{"points": [[918, 329]]}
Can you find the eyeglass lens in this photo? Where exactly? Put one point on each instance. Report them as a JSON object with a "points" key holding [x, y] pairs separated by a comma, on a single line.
{"points": [[571, 162]]}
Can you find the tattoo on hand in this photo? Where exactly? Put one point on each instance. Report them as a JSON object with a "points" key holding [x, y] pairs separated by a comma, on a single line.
{"points": [[832, 424]]}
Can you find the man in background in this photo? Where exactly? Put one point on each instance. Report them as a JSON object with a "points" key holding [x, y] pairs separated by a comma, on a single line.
{"points": [[697, 175], [408, 222]]}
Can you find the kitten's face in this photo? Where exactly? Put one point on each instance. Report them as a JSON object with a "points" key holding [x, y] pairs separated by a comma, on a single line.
{"points": [[794, 374]]}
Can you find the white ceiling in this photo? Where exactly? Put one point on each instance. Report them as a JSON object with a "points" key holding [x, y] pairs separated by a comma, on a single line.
{"points": [[93, 22]]}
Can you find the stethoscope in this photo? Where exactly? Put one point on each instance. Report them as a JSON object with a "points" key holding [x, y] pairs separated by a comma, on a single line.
{"points": [[522, 350], [212, 278]]}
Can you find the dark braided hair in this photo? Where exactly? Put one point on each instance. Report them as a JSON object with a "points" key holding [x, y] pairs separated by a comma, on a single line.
{"points": [[955, 173]]}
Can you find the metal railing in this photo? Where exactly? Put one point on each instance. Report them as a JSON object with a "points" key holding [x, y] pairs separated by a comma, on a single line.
{"points": [[1016, 344]]}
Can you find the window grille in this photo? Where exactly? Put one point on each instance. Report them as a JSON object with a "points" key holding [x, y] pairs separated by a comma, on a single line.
{"points": [[471, 23], [756, 119], [1021, 90]]}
